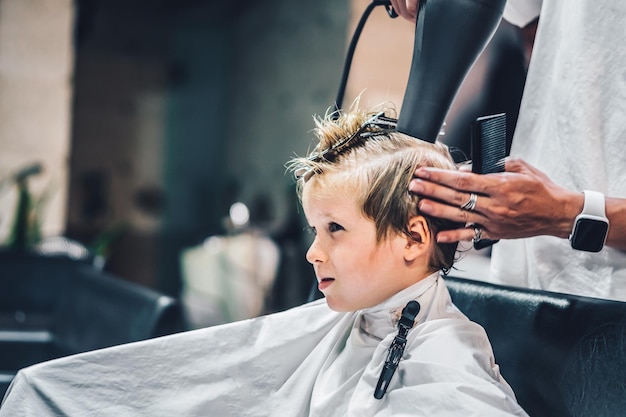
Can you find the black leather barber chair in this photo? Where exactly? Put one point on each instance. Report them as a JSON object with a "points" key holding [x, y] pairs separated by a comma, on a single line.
{"points": [[57, 306], [563, 355]]}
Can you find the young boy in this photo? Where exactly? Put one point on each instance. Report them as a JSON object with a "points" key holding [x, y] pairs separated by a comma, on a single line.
{"points": [[373, 253], [385, 341]]}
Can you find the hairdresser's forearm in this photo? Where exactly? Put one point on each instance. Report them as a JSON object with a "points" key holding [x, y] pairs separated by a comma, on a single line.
{"points": [[616, 212]]}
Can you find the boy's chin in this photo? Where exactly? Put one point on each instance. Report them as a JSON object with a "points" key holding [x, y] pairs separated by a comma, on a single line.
{"points": [[336, 305], [342, 307]]}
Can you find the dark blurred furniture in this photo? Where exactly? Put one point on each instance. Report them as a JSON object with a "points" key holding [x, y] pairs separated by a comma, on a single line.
{"points": [[53, 306], [563, 355]]}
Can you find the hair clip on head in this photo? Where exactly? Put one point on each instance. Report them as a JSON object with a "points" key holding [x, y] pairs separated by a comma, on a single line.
{"points": [[377, 125]]}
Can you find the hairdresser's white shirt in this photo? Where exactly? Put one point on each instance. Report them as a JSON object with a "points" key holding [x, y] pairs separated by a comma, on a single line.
{"points": [[572, 126], [307, 361]]}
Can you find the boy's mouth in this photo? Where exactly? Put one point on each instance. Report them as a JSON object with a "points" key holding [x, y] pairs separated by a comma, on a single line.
{"points": [[325, 283]]}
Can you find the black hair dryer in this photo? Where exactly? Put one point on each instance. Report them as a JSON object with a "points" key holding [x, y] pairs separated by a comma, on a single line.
{"points": [[449, 36]]}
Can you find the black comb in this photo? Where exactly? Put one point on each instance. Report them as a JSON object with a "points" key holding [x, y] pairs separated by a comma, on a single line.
{"points": [[488, 151], [489, 144]]}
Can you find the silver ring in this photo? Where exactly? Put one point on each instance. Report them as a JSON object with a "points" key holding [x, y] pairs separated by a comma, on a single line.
{"points": [[471, 203], [478, 234]]}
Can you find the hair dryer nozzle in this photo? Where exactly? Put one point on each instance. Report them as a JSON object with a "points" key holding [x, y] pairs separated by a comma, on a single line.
{"points": [[449, 37]]}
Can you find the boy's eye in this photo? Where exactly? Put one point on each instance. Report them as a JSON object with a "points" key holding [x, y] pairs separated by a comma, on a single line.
{"points": [[310, 230], [334, 227]]}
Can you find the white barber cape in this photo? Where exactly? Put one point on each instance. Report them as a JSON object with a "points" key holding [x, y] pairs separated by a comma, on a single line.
{"points": [[307, 361]]}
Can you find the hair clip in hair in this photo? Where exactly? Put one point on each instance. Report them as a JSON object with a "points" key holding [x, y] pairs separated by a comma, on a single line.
{"points": [[304, 174], [383, 122], [376, 125]]}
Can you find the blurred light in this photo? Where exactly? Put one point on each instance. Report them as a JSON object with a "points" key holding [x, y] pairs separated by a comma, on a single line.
{"points": [[239, 214]]}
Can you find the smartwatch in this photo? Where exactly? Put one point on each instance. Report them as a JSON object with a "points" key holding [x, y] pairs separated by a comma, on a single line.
{"points": [[591, 226]]}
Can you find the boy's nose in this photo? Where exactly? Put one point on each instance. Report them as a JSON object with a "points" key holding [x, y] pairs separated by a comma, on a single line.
{"points": [[315, 253]]}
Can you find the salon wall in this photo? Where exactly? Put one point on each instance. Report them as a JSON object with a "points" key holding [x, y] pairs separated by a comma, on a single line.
{"points": [[36, 64], [184, 107]]}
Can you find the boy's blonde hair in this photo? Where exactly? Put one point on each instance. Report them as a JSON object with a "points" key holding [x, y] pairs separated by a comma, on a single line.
{"points": [[362, 153]]}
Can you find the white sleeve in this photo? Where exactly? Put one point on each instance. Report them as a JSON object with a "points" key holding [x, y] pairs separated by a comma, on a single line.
{"points": [[522, 12]]}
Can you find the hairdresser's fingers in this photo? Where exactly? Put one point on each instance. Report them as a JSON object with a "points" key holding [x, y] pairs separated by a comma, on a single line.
{"points": [[406, 9], [399, 7], [520, 166], [454, 213], [461, 235], [458, 180], [517, 165], [411, 7], [442, 193]]}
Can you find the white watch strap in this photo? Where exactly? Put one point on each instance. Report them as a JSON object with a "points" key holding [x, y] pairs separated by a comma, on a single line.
{"points": [[594, 203]]}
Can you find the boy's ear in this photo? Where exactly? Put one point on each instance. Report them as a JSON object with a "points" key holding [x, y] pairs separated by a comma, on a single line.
{"points": [[420, 240]]}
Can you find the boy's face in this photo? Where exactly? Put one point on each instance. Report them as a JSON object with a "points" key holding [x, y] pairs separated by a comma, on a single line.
{"points": [[353, 270]]}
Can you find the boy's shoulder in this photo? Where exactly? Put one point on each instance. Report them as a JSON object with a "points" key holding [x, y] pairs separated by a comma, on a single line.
{"points": [[448, 336]]}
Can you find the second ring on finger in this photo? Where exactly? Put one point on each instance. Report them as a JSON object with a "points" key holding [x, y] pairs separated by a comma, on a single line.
{"points": [[478, 232]]}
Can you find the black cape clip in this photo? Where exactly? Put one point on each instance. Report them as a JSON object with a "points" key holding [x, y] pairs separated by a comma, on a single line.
{"points": [[396, 350]]}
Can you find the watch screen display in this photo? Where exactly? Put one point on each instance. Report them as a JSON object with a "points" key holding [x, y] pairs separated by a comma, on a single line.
{"points": [[590, 235]]}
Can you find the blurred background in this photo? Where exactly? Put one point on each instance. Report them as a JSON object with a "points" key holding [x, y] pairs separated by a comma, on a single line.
{"points": [[154, 132]]}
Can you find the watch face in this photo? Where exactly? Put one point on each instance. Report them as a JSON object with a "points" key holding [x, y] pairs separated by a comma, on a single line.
{"points": [[589, 235]]}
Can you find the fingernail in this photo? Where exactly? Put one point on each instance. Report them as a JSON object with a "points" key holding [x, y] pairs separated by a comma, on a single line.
{"points": [[416, 186], [442, 239], [424, 206], [422, 173]]}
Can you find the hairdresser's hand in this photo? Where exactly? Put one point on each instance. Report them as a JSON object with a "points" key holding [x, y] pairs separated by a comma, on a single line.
{"points": [[521, 202], [406, 8]]}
